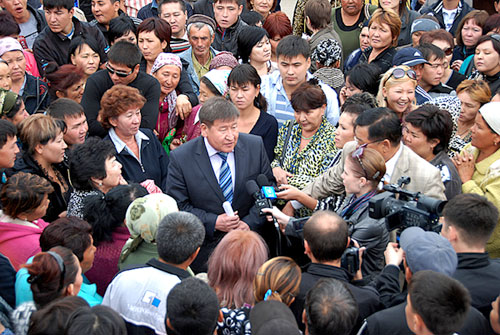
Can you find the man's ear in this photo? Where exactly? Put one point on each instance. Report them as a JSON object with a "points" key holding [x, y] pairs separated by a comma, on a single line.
{"points": [[304, 316], [307, 250], [204, 130]]}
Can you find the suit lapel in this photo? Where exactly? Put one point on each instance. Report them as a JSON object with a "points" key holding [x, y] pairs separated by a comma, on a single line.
{"points": [[240, 167], [402, 165], [203, 162]]}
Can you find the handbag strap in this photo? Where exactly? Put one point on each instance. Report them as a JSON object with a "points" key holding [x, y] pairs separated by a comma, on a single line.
{"points": [[285, 144]]}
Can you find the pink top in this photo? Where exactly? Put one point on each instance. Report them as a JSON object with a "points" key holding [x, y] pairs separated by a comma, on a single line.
{"points": [[20, 240], [106, 260], [31, 66], [191, 129]]}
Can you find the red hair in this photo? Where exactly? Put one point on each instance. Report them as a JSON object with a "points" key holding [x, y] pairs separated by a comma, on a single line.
{"points": [[278, 24], [233, 265]]}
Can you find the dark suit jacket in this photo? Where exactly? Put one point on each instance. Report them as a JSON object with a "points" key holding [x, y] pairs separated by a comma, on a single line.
{"points": [[193, 184]]}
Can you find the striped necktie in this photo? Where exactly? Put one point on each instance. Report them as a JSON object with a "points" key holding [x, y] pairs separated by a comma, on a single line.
{"points": [[225, 180]]}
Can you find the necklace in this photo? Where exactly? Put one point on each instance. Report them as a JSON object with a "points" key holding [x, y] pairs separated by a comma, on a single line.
{"points": [[306, 138]]}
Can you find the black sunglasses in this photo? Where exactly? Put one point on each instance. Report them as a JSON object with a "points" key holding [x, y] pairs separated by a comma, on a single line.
{"points": [[120, 74], [448, 51]]}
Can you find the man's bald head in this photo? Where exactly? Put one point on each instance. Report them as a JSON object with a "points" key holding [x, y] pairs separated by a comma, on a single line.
{"points": [[326, 234]]}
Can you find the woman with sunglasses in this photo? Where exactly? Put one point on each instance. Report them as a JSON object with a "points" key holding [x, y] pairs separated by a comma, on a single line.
{"points": [[469, 30], [153, 38], [487, 61], [53, 275], [445, 41], [478, 164], [384, 29], [363, 171], [427, 131], [397, 90]]}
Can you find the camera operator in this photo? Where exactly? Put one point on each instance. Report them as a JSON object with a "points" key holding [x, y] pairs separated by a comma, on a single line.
{"points": [[325, 240], [418, 250], [380, 129], [469, 221]]}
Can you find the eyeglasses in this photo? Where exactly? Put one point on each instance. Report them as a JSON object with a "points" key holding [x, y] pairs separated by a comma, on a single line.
{"points": [[120, 74], [448, 51]]}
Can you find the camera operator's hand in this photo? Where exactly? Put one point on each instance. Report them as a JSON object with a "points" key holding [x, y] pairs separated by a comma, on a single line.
{"points": [[282, 218], [359, 273], [393, 254]]}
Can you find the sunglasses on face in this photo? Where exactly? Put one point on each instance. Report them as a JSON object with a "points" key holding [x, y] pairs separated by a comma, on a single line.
{"points": [[120, 74], [448, 51]]}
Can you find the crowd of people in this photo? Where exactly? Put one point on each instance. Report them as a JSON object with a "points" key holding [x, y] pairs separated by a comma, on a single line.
{"points": [[142, 142]]}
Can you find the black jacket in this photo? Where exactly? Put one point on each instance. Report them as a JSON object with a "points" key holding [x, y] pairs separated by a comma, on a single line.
{"points": [[393, 321], [99, 82], [365, 296], [51, 47], [369, 233], [105, 31], [436, 10], [184, 86], [383, 60], [494, 82], [387, 285], [35, 95], [227, 39], [58, 200], [7, 284], [153, 165], [481, 276]]}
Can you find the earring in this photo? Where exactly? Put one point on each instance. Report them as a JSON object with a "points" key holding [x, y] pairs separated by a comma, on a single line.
{"points": [[100, 183]]}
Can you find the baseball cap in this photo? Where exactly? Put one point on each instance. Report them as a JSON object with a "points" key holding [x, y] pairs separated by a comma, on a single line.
{"points": [[427, 250], [408, 56], [273, 318]]}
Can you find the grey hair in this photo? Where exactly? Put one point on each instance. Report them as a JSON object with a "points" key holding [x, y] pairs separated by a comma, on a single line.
{"points": [[199, 26], [217, 108], [179, 235]]}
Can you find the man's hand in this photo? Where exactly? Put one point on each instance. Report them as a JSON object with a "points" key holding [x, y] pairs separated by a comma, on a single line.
{"points": [[281, 175], [183, 106], [393, 254], [242, 226], [227, 223]]}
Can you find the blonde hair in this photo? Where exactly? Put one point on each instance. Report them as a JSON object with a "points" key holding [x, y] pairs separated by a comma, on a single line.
{"points": [[390, 18], [281, 277], [389, 81], [39, 129]]}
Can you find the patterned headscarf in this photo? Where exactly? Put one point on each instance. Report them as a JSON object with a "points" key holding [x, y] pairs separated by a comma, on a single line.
{"points": [[166, 59], [143, 217], [327, 52], [7, 101], [218, 78]]}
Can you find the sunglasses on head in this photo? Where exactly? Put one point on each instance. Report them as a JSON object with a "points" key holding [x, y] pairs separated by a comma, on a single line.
{"points": [[496, 37], [399, 73], [120, 74], [358, 154]]}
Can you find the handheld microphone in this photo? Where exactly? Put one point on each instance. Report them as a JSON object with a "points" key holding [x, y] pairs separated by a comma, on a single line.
{"points": [[267, 189], [261, 202], [228, 209]]}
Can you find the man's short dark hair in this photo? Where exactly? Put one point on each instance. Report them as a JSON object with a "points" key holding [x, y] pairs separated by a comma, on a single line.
{"points": [[98, 320], [441, 302], [318, 12], [358, 103], [326, 234], [179, 235], [473, 215], [217, 108], [51, 4], [330, 308], [434, 123], [7, 130], [238, 2], [180, 2], [64, 107], [292, 46], [70, 232], [193, 308], [125, 53], [382, 123], [430, 50], [119, 26]]}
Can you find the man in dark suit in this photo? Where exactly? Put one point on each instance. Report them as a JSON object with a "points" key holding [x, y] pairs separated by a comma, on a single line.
{"points": [[212, 169]]}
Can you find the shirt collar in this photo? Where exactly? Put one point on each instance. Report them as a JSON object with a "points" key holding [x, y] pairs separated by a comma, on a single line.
{"points": [[154, 4], [120, 145], [210, 149], [391, 163]]}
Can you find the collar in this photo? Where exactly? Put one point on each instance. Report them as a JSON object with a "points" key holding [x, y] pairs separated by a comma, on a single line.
{"points": [[154, 4], [7, 218], [155, 263], [329, 271], [472, 260], [493, 78], [483, 166], [210, 149], [21, 91], [277, 80], [390, 165], [120, 145]]}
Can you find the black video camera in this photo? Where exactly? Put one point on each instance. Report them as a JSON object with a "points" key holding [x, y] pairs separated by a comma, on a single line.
{"points": [[409, 210]]}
